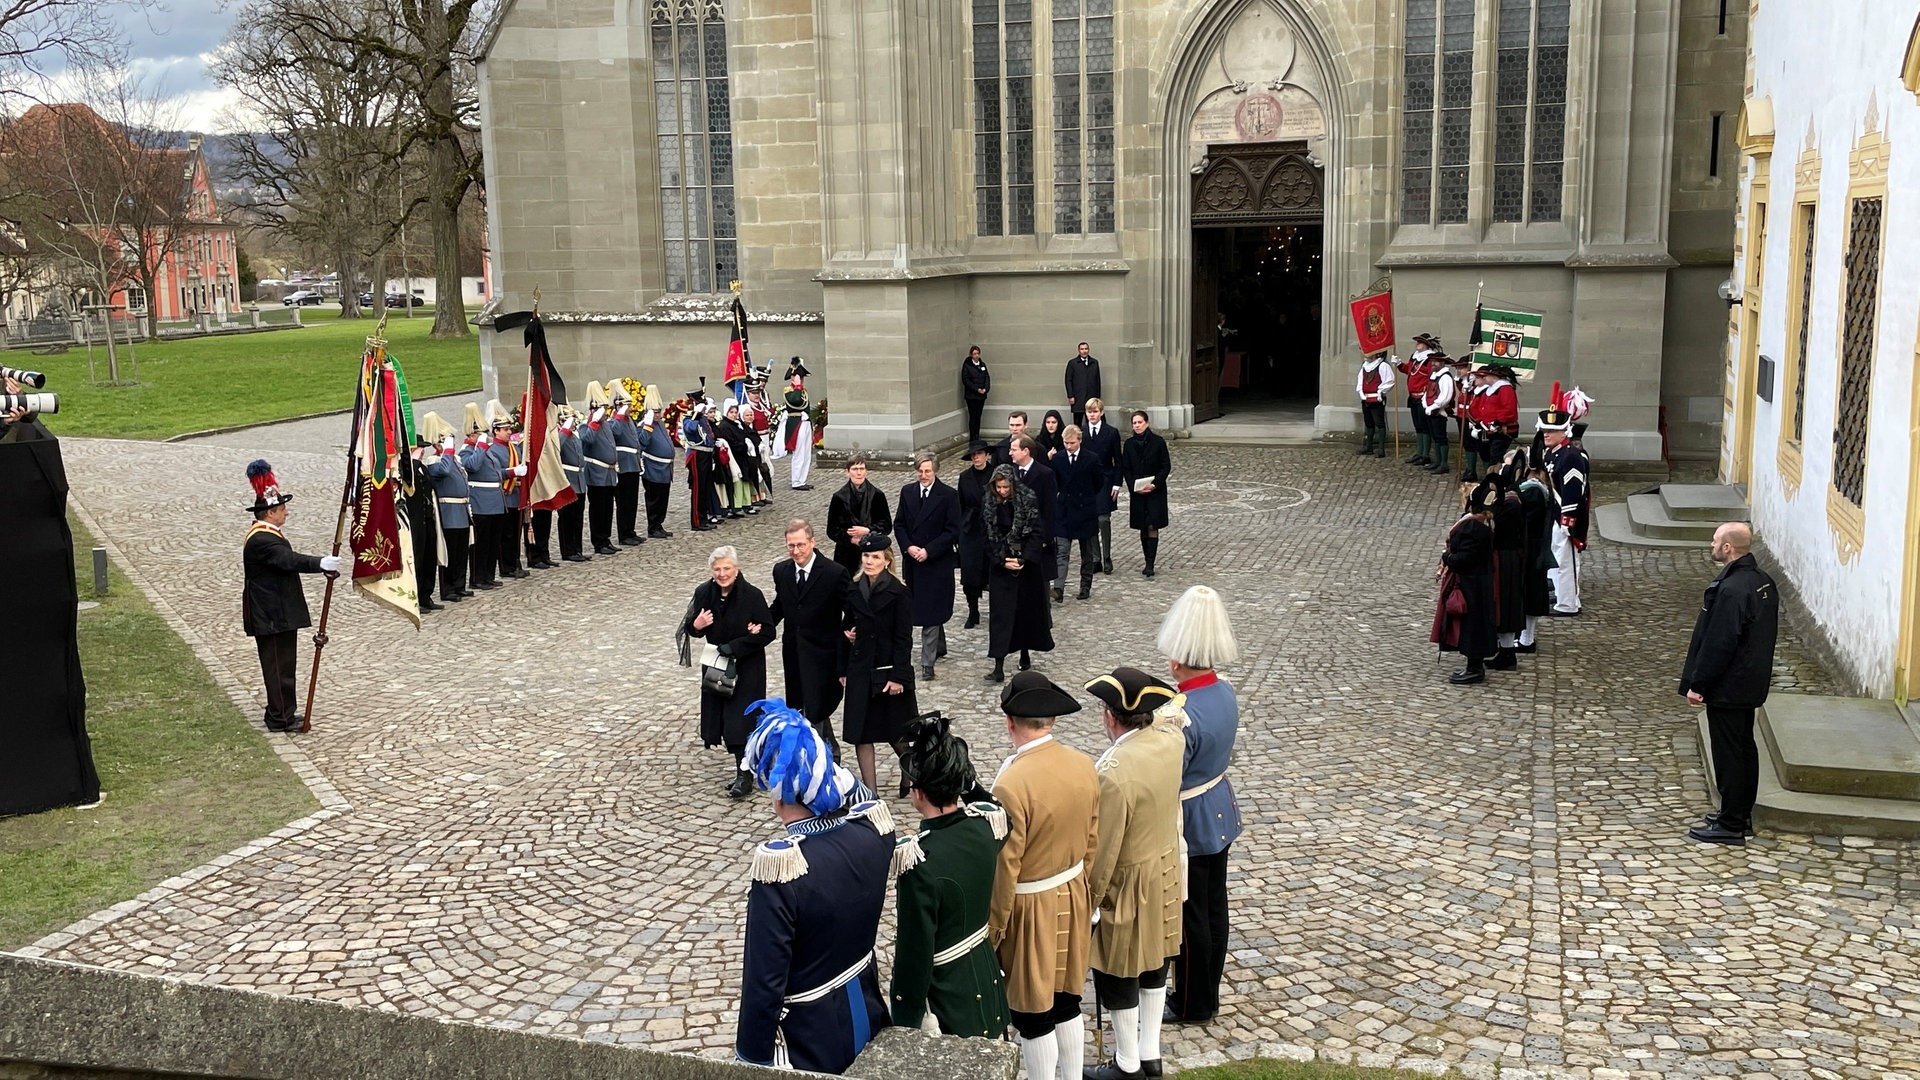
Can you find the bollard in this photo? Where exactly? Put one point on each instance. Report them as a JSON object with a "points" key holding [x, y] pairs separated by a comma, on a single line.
{"points": [[99, 571]]}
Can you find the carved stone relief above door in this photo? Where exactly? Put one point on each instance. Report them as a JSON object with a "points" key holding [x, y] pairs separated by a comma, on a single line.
{"points": [[1258, 89]]}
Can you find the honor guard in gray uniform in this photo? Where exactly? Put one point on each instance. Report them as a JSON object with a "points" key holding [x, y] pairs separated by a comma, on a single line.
{"points": [[656, 464], [603, 473], [573, 462], [449, 479], [489, 502], [506, 452], [626, 444]]}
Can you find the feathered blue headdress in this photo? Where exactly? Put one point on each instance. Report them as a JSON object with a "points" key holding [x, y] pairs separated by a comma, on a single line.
{"points": [[789, 758]]}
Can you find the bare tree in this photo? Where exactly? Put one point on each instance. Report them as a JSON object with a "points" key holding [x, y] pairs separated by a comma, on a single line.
{"points": [[80, 34], [416, 54]]}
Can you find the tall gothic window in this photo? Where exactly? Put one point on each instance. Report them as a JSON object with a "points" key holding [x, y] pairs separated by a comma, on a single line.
{"points": [[1082, 116], [694, 124], [1437, 115], [1003, 151], [1530, 110], [1856, 350]]}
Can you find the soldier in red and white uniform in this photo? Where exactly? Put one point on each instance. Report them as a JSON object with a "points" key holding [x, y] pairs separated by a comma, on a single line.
{"points": [[1497, 412], [1374, 385], [757, 415], [1443, 395], [1419, 372]]}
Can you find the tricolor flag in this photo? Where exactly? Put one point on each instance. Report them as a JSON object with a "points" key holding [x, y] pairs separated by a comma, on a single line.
{"points": [[737, 359], [546, 483], [380, 535], [1507, 335]]}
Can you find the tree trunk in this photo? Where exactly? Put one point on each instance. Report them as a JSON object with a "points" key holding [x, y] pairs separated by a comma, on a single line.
{"points": [[348, 265], [149, 281], [378, 286], [446, 179]]}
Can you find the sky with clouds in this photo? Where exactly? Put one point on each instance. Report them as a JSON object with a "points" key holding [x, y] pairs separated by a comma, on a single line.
{"points": [[170, 44]]}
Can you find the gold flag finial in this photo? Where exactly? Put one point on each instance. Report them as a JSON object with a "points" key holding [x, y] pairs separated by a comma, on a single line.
{"points": [[379, 338], [735, 286], [536, 299]]}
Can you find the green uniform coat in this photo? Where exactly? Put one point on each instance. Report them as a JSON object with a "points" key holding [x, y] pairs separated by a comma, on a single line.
{"points": [[941, 901]]}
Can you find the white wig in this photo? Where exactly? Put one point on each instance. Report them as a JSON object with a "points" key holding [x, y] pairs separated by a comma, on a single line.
{"points": [[1197, 632]]}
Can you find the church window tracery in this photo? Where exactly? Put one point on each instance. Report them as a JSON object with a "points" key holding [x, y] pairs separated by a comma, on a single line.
{"points": [[1003, 117], [694, 127]]}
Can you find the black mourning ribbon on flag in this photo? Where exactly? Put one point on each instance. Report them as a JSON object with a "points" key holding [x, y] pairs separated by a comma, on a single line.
{"points": [[536, 341]]}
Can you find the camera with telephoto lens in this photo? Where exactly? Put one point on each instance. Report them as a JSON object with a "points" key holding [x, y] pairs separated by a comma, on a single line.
{"points": [[46, 404], [35, 379]]}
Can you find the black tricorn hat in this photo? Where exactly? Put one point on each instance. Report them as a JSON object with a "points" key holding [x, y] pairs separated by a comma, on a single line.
{"points": [[875, 541], [1128, 691], [1033, 695], [1483, 498]]}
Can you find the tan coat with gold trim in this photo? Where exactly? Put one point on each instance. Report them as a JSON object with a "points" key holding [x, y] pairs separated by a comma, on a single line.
{"points": [[1052, 799], [1135, 875]]}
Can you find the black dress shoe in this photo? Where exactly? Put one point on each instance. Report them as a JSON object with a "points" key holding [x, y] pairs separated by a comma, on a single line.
{"points": [[451, 598], [973, 620], [1717, 834], [630, 541], [926, 674], [1086, 591], [1059, 596], [483, 586], [1106, 567], [606, 549], [578, 557], [1151, 1069], [1712, 821], [543, 564], [1026, 662], [1558, 614], [1110, 1071], [742, 785], [1530, 648], [659, 534], [1468, 676], [519, 573], [1503, 661], [1171, 1017], [466, 592], [999, 672], [1146, 571], [427, 605]]}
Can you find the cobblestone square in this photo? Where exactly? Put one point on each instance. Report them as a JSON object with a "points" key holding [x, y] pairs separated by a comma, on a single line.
{"points": [[521, 828]]}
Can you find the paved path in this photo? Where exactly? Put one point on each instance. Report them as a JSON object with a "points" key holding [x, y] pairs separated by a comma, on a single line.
{"points": [[528, 833]]}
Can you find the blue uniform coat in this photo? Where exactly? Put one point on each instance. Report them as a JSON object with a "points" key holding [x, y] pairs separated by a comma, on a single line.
{"points": [[932, 523], [596, 444], [483, 478], [802, 933], [450, 482], [573, 462], [1210, 821], [503, 455], [626, 442], [656, 453]]}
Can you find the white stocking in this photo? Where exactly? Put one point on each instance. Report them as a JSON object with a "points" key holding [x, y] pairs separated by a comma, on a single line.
{"points": [[1071, 1037], [1526, 636], [1041, 1056], [1126, 1038], [1153, 1004]]}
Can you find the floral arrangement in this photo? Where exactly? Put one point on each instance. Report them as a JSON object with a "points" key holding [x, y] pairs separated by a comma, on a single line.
{"points": [[638, 394], [674, 415], [817, 416]]}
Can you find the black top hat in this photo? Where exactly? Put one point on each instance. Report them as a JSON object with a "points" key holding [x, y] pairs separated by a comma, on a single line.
{"points": [[1033, 695], [1129, 690], [977, 446], [875, 541]]}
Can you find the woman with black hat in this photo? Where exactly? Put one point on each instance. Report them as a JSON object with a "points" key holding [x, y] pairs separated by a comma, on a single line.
{"points": [[1019, 616], [878, 669], [972, 485], [1463, 618]]}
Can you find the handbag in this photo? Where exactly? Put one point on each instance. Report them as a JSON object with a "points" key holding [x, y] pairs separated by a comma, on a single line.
{"points": [[718, 674], [1456, 604]]}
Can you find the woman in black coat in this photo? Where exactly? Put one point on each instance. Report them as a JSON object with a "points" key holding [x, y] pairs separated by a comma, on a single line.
{"points": [[730, 614], [857, 505], [1510, 569], [1019, 614], [972, 485], [1144, 457], [1049, 435], [1464, 616], [1535, 501], [878, 666]]}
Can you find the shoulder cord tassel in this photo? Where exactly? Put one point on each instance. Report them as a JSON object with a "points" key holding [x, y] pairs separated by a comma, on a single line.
{"points": [[996, 817], [875, 813], [907, 854], [778, 861]]}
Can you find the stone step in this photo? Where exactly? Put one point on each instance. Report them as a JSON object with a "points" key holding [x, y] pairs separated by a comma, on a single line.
{"points": [[1613, 522], [1777, 809], [1862, 747], [1650, 518], [1715, 503]]}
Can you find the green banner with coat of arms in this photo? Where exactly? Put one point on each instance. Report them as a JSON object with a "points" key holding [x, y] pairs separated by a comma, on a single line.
{"points": [[1507, 335]]}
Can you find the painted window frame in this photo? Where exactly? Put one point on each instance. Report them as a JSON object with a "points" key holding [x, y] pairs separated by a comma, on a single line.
{"points": [[1866, 180], [1803, 284]]}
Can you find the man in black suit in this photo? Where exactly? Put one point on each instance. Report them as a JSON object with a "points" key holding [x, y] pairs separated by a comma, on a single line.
{"points": [[807, 592], [273, 608], [1016, 427], [1083, 384], [927, 528], [1101, 442], [1046, 489]]}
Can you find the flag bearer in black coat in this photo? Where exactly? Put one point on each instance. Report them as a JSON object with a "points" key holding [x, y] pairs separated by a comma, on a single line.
{"points": [[809, 984], [927, 527], [809, 594], [972, 489], [1729, 670], [1102, 442], [273, 609], [1463, 619]]}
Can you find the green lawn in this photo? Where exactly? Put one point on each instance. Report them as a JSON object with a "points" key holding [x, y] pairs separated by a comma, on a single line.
{"points": [[215, 382], [1272, 1069], [186, 778]]}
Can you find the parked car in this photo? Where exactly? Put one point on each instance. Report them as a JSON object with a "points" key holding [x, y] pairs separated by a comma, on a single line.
{"points": [[394, 300], [302, 298]]}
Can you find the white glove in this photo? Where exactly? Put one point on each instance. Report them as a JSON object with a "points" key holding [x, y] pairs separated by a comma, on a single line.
{"points": [[519, 470], [447, 444], [486, 440], [330, 564]]}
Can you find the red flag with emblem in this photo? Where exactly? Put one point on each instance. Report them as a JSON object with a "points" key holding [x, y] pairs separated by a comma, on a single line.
{"points": [[737, 358], [1373, 322]]}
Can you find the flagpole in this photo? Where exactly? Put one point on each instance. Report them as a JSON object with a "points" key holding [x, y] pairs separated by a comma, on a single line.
{"points": [[378, 343]]}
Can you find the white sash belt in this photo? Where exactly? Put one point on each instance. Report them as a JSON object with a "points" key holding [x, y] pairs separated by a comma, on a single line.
{"points": [[570, 468], [1051, 883], [484, 483], [835, 983], [959, 948], [661, 460], [1195, 792], [602, 464], [453, 500], [628, 449]]}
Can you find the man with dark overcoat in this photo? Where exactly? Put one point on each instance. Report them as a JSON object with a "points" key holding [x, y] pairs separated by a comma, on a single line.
{"points": [[927, 529], [809, 590], [1083, 491], [1024, 451], [1102, 442], [972, 490], [1083, 384]]}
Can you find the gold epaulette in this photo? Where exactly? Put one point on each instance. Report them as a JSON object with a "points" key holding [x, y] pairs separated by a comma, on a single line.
{"points": [[779, 860], [907, 854]]}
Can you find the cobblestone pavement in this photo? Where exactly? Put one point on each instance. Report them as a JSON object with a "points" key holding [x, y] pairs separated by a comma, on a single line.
{"points": [[524, 831]]}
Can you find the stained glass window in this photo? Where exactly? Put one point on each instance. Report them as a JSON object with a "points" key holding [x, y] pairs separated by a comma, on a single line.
{"points": [[1003, 149], [1082, 116], [693, 126]]}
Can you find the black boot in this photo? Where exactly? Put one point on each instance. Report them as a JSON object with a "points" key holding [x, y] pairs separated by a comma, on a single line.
{"points": [[1503, 660], [1149, 547], [1026, 660], [999, 672], [742, 785], [973, 613]]}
